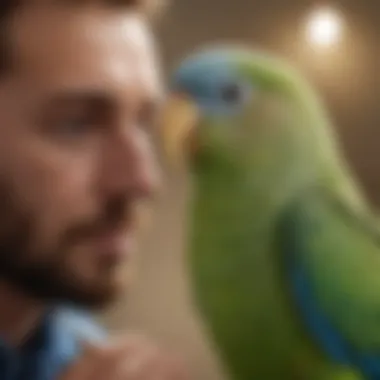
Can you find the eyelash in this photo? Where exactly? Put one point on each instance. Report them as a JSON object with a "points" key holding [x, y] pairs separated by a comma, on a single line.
{"points": [[79, 124]]}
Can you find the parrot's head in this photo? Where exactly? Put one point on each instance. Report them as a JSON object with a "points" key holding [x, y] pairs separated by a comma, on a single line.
{"points": [[231, 109]]}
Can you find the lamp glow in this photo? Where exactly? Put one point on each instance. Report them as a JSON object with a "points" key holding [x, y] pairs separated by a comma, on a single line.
{"points": [[324, 28]]}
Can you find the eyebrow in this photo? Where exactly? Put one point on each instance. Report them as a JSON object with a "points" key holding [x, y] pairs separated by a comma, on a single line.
{"points": [[91, 98], [100, 100]]}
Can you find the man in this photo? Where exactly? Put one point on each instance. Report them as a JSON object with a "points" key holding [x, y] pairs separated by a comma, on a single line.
{"points": [[78, 92]]}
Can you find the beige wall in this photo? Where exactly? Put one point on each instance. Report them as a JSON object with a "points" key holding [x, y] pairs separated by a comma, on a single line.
{"points": [[159, 302]]}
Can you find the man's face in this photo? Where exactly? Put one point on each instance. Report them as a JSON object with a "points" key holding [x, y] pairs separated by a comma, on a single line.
{"points": [[76, 158]]}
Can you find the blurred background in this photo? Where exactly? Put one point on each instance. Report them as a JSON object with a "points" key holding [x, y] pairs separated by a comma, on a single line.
{"points": [[335, 44]]}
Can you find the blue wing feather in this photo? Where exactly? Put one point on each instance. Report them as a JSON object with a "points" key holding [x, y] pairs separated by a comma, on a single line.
{"points": [[316, 321]]}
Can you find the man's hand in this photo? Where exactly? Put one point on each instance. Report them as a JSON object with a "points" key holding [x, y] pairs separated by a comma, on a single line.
{"points": [[130, 358]]}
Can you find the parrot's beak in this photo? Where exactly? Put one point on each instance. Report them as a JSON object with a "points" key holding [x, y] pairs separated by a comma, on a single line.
{"points": [[178, 127]]}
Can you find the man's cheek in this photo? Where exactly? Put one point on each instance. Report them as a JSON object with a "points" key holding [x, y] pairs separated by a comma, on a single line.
{"points": [[66, 199]]}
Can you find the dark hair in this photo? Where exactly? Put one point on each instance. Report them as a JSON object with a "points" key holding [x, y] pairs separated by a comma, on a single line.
{"points": [[9, 7]]}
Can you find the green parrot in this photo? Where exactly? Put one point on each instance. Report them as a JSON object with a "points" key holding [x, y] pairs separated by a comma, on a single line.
{"points": [[284, 252]]}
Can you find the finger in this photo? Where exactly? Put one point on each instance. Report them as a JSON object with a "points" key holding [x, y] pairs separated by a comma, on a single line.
{"points": [[171, 367], [158, 366], [124, 360], [111, 347], [138, 363], [98, 360]]}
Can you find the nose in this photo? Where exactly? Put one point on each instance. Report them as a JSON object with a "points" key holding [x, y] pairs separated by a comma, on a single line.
{"points": [[130, 165]]}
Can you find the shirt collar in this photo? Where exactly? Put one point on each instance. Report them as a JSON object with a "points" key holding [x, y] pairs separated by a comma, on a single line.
{"points": [[46, 353]]}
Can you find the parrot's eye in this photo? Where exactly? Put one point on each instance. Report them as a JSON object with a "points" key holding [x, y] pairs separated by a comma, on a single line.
{"points": [[231, 93], [234, 94]]}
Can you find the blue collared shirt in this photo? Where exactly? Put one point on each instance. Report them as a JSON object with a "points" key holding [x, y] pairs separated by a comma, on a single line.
{"points": [[54, 345]]}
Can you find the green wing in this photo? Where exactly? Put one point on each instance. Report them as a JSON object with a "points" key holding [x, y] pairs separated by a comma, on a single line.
{"points": [[340, 252]]}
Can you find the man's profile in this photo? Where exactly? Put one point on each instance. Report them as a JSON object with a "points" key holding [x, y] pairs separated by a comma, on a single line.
{"points": [[78, 93]]}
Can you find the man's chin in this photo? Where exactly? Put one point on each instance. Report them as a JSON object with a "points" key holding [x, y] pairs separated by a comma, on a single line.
{"points": [[86, 284], [91, 297], [50, 289], [99, 293], [94, 283]]}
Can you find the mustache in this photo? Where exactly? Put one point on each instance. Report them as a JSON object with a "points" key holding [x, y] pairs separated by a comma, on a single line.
{"points": [[116, 214]]}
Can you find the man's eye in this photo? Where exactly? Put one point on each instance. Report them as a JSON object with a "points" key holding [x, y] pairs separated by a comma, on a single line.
{"points": [[72, 127]]}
